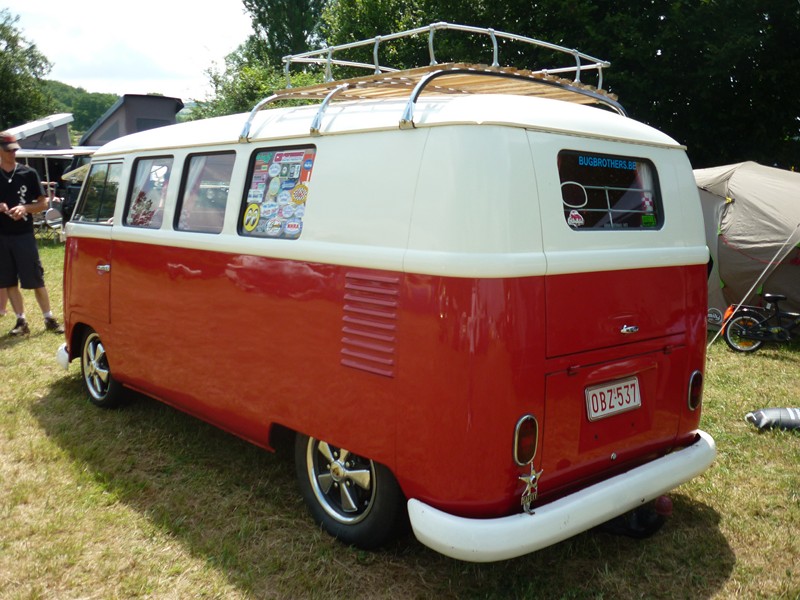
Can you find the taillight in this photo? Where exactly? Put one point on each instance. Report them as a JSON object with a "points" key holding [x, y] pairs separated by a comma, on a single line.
{"points": [[526, 438], [695, 390]]}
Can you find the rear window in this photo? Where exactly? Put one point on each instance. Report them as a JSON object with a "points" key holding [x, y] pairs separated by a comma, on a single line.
{"points": [[277, 190], [603, 191]]}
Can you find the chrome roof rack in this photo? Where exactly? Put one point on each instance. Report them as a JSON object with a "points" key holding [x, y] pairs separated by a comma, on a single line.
{"points": [[462, 78]]}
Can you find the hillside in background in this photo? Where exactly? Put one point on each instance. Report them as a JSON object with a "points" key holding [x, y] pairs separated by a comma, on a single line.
{"points": [[86, 107]]}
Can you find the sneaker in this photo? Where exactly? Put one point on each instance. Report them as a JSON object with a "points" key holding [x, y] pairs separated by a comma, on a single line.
{"points": [[21, 328], [52, 325]]}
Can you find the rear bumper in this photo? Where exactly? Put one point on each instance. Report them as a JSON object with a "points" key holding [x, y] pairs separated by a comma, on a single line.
{"points": [[486, 540]]}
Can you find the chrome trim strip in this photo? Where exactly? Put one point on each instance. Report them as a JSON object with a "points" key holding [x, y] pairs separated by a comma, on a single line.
{"points": [[689, 391], [522, 419]]}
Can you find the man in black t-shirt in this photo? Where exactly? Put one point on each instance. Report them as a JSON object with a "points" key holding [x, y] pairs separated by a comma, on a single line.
{"points": [[21, 197]]}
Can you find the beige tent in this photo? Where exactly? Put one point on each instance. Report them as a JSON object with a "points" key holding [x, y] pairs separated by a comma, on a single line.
{"points": [[752, 220]]}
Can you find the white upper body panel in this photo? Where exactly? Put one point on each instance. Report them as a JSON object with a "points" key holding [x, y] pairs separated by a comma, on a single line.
{"points": [[349, 117], [471, 190]]}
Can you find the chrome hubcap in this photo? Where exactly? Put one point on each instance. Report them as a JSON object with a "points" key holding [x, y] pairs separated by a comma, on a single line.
{"points": [[343, 483], [95, 367]]}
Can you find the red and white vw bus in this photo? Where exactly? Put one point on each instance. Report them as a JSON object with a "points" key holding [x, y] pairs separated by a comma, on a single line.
{"points": [[483, 311]]}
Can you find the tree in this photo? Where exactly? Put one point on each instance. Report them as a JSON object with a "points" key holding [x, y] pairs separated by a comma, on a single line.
{"points": [[22, 68], [714, 74], [284, 26], [88, 107], [244, 81]]}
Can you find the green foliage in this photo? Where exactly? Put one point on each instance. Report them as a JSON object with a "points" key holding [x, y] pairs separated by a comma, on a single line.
{"points": [[284, 26], [22, 68], [715, 74], [244, 82], [86, 107], [27, 96]]}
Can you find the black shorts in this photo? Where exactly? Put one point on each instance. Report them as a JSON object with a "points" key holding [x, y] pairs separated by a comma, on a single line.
{"points": [[19, 262]]}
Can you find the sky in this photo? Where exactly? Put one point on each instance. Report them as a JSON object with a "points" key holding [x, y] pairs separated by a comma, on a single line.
{"points": [[146, 46]]}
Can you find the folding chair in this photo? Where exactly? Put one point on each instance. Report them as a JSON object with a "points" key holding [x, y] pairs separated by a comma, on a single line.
{"points": [[53, 223]]}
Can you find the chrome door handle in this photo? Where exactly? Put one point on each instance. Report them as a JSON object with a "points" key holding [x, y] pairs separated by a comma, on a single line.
{"points": [[627, 329], [104, 268]]}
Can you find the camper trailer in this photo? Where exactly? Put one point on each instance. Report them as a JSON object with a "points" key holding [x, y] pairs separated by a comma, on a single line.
{"points": [[474, 295]]}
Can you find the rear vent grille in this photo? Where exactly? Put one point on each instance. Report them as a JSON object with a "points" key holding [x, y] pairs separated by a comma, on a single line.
{"points": [[369, 324]]}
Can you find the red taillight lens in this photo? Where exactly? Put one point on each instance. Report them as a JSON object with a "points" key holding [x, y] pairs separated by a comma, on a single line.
{"points": [[526, 438], [695, 390]]}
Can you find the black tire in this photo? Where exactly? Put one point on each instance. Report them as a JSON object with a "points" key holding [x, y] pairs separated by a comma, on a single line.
{"points": [[104, 391], [733, 335], [354, 499]]}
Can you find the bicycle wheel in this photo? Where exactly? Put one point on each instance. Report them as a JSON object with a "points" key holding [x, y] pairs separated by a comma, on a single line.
{"points": [[735, 331]]}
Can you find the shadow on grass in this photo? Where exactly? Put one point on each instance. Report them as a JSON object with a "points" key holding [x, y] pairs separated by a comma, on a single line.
{"points": [[237, 508]]}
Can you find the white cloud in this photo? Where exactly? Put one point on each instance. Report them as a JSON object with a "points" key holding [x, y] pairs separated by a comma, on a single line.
{"points": [[151, 46]]}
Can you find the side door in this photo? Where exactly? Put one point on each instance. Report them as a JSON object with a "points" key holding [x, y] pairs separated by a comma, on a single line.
{"points": [[87, 266]]}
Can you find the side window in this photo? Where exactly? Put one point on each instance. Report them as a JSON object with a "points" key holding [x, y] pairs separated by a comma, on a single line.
{"points": [[278, 187], [148, 192], [600, 191], [204, 193], [99, 197]]}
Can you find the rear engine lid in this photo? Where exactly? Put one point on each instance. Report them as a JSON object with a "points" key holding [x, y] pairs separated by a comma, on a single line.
{"points": [[605, 417]]}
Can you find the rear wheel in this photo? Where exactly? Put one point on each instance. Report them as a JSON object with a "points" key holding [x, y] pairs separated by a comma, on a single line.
{"points": [[735, 330], [356, 500], [104, 390]]}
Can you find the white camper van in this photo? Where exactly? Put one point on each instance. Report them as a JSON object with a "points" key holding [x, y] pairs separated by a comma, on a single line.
{"points": [[475, 295]]}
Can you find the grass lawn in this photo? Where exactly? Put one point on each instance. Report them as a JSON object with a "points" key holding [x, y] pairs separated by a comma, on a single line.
{"points": [[145, 502]]}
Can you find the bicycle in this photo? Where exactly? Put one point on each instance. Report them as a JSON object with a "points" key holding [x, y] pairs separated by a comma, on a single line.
{"points": [[746, 328]]}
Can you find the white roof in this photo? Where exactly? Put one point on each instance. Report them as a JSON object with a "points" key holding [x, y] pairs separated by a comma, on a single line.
{"points": [[45, 124], [373, 115]]}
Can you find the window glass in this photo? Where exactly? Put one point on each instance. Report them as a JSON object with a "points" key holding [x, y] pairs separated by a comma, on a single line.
{"points": [[148, 192], [600, 191], [206, 182], [96, 204], [278, 186]]}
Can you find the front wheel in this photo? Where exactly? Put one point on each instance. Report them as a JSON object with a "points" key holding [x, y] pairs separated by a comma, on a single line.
{"points": [[104, 390], [735, 331], [356, 500]]}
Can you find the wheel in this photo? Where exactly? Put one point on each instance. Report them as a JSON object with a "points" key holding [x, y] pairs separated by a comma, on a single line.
{"points": [[733, 334], [354, 499], [104, 390]]}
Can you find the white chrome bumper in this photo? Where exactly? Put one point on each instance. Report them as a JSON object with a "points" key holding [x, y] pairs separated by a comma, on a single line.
{"points": [[486, 540]]}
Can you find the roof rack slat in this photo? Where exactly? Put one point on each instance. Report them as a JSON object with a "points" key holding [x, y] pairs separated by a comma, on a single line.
{"points": [[387, 82]]}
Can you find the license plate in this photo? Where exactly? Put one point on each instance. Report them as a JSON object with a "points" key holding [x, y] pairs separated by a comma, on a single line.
{"points": [[612, 398]]}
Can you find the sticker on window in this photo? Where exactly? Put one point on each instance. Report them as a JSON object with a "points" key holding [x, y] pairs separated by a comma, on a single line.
{"points": [[279, 187], [603, 192]]}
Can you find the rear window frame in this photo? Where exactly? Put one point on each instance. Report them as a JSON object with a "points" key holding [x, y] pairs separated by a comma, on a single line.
{"points": [[255, 204], [591, 181]]}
